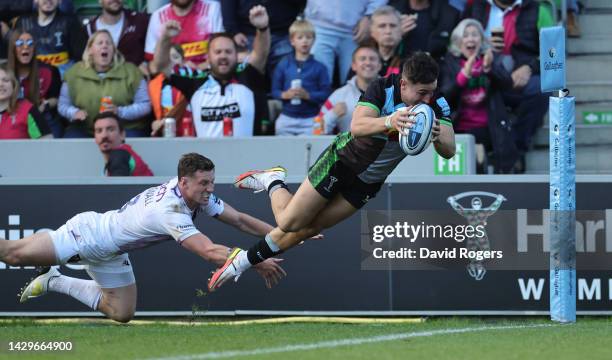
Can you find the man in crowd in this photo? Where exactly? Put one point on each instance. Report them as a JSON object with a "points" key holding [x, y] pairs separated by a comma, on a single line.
{"points": [[198, 20], [230, 94], [337, 111], [120, 159]]}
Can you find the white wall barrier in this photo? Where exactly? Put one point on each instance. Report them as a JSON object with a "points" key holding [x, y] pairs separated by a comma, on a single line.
{"points": [[69, 158]]}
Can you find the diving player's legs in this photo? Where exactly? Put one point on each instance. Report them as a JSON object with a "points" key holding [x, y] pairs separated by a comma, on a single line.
{"points": [[335, 212], [295, 212], [119, 304], [112, 290], [278, 241], [33, 250]]}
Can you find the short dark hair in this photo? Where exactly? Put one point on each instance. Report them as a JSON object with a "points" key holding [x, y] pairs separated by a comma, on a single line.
{"points": [[222, 35], [420, 68], [109, 115], [190, 163]]}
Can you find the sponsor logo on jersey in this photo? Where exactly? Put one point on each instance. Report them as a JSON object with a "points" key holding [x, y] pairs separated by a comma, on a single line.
{"points": [[219, 112], [54, 59], [185, 227], [195, 48]]}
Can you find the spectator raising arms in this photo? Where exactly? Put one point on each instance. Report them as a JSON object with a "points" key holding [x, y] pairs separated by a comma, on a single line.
{"points": [[39, 83], [128, 29], [337, 111], [198, 19], [101, 77], [301, 82], [60, 37], [19, 119], [472, 79], [229, 92]]}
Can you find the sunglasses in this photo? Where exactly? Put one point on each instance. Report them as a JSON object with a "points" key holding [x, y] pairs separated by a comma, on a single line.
{"points": [[20, 43]]}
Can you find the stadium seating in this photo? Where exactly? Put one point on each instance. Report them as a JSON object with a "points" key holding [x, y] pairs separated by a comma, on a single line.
{"points": [[590, 81]]}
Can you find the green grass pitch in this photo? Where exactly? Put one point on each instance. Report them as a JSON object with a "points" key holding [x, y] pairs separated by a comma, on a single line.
{"points": [[436, 338]]}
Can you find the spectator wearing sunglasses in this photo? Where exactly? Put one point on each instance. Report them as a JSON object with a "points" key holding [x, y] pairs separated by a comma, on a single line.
{"points": [[39, 83], [60, 37]]}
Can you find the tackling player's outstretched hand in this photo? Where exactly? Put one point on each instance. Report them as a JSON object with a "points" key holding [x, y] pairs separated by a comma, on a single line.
{"points": [[270, 271]]}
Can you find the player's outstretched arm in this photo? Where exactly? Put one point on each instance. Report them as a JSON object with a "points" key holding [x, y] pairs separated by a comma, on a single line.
{"points": [[202, 246], [244, 222]]}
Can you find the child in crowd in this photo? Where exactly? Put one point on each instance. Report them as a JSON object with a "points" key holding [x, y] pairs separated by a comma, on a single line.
{"points": [[301, 82]]}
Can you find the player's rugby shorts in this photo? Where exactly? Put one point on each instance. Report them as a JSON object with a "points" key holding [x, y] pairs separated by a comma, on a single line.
{"points": [[79, 241]]}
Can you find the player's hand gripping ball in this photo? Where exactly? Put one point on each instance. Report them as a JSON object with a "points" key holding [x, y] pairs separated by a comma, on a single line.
{"points": [[417, 138]]}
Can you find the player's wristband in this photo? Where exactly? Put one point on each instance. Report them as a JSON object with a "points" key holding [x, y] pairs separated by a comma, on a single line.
{"points": [[388, 123], [263, 28]]}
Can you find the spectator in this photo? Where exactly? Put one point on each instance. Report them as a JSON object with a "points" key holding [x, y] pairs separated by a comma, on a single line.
{"points": [[227, 90], [153, 5], [199, 19], [301, 82], [39, 83], [101, 74], [128, 29], [386, 34], [168, 101], [426, 25], [573, 29], [519, 46], [19, 119], [472, 79], [339, 27], [282, 14], [337, 111], [59, 37], [120, 159]]}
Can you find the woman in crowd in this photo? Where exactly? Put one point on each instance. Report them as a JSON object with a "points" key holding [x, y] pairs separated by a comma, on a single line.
{"points": [[471, 80], [103, 81], [39, 83], [19, 119]]}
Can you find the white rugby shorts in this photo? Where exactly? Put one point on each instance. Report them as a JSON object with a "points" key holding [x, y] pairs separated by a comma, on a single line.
{"points": [[80, 239]]}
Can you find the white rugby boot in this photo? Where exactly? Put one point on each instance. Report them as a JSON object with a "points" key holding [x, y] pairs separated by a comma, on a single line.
{"points": [[39, 285], [260, 180]]}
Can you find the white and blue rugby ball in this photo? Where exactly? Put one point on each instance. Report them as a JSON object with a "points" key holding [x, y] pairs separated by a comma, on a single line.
{"points": [[418, 137]]}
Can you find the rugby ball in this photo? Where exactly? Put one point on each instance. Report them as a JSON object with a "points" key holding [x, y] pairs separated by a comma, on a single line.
{"points": [[418, 137]]}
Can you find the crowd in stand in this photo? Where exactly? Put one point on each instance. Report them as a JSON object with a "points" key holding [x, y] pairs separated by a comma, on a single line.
{"points": [[218, 67]]}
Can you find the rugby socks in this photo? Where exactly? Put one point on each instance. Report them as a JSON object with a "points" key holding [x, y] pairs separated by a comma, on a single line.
{"points": [[275, 185], [86, 291], [263, 250]]}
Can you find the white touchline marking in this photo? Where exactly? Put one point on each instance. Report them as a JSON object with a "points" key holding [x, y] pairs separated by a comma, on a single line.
{"points": [[342, 342]]}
